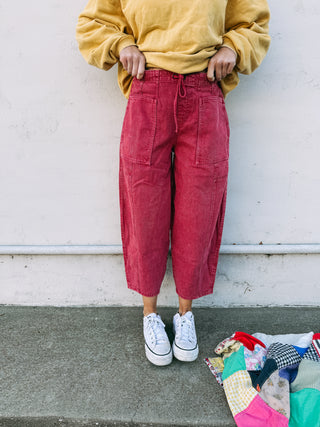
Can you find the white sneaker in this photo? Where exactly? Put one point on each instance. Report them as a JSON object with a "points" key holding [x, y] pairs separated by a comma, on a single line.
{"points": [[157, 344], [185, 346]]}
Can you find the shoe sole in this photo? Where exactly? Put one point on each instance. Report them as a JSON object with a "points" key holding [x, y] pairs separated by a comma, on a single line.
{"points": [[185, 355], [156, 359]]}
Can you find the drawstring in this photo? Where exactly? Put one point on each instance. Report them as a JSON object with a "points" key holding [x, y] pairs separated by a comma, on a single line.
{"points": [[181, 91]]}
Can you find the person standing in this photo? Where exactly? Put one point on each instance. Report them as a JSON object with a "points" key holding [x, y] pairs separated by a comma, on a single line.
{"points": [[177, 61]]}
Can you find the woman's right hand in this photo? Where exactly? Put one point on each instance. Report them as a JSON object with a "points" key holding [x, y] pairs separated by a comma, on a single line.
{"points": [[133, 61]]}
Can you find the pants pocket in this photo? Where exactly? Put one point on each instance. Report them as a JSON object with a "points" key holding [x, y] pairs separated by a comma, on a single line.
{"points": [[213, 131], [138, 130]]}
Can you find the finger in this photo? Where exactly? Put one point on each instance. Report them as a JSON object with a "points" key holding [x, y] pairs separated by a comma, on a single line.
{"points": [[221, 70], [224, 70], [129, 64], [230, 68], [135, 65], [141, 67], [218, 70], [210, 71], [124, 62]]}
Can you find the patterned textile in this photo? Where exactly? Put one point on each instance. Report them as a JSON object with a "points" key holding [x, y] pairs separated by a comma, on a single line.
{"points": [[316, 344], [255, 358], [233, 342], [216, 366], [312, 353], [239, 390], [275, 392], [278, 387], [283, 354]]}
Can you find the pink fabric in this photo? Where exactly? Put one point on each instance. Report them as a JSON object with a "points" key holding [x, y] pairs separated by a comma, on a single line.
{"points": [[168, 112], [259, 414]]}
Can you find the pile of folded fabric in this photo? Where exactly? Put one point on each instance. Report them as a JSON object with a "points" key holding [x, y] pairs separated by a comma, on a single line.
{"points": [[270, 380]]}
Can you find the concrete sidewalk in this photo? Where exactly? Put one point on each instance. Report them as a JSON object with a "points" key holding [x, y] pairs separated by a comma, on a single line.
{"points": [[85, 366]]}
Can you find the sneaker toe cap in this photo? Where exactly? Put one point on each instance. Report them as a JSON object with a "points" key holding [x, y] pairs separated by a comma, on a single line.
{"points": [[160, 349], [186, 345]]}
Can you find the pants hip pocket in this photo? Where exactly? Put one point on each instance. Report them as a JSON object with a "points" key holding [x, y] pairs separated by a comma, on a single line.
{"points": [[213, 131], [138, 130]]}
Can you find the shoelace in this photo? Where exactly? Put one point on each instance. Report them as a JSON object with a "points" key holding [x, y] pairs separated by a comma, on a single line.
{"points": [[186, 330], [156, 328]]}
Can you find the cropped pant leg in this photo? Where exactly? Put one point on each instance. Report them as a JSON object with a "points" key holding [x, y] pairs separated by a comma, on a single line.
{"points": [[145, 184], [185, 114], [200, 174]]}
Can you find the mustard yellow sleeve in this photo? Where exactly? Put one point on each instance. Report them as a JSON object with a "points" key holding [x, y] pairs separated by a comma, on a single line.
{"points": [[247, 27], [102, 31]]}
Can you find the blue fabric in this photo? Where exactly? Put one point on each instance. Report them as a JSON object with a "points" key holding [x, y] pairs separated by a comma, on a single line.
{"points": [[301, 350], [289, 373]]}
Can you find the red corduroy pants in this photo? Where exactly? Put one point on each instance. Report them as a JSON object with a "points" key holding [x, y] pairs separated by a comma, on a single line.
{"points": [[173, 171]]}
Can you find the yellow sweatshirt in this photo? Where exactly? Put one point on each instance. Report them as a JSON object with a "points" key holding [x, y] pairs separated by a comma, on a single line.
{"points": [[177, 35]]}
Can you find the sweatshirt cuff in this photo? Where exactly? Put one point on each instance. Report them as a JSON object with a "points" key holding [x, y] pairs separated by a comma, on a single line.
{"points": [[125, 41], [228, 43]]}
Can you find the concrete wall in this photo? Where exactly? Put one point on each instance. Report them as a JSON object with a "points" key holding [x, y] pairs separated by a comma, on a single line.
{"points": [[60, 129]]}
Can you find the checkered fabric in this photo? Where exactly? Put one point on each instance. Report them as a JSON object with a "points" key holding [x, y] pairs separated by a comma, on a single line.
{"points": [[283, 354], [312, 354], [239, 391]]}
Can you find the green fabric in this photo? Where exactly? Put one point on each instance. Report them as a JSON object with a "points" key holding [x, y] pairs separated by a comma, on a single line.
{"points": [[234, 363], [308, 376], [305, 408]]}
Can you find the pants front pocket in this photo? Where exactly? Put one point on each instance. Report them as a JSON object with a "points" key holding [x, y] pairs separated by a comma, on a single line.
{"points": [[213, 131], [138, 130]]}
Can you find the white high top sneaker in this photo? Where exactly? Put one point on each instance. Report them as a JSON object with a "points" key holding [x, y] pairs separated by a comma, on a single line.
{"points": [[185, 346], [157, 344]]}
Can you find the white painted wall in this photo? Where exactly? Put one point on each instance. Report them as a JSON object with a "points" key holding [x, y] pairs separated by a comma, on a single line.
{"points": [[60, 128]]}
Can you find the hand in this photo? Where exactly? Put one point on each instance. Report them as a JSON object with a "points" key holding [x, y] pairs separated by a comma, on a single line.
{"points": [[133, 61], [221, 64]]}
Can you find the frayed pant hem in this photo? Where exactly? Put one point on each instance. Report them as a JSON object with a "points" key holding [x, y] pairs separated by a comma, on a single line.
{"points": [[196, 296], [132, 288]]}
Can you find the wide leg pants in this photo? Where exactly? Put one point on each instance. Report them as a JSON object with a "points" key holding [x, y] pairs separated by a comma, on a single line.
{"points": [[174, 152]]}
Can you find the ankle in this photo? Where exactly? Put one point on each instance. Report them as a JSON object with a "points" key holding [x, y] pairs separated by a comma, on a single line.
{"points": [[184, 305], [183, 312], [147, 312]]}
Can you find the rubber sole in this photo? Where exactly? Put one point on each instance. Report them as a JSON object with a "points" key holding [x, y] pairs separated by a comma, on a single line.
{"points": [[156, 359], [185, 355]]}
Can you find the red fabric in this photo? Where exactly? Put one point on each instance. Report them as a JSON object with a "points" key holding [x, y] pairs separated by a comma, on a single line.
{"points": [[169, 112], [247, 340]]}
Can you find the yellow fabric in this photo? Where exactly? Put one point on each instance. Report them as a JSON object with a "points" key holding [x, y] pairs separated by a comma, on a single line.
{"points": [[239, 391], [217, 363], [177, 35]]}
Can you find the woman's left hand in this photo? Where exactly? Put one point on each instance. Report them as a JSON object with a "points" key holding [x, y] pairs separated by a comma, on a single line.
{"points": [[221, 64]]}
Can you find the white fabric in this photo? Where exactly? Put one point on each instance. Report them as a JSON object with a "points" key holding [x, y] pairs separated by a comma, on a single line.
{"points": [[299, 340]]}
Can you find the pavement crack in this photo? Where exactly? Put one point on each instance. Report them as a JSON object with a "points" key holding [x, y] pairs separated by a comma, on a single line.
{"points": [[136, 410]]}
